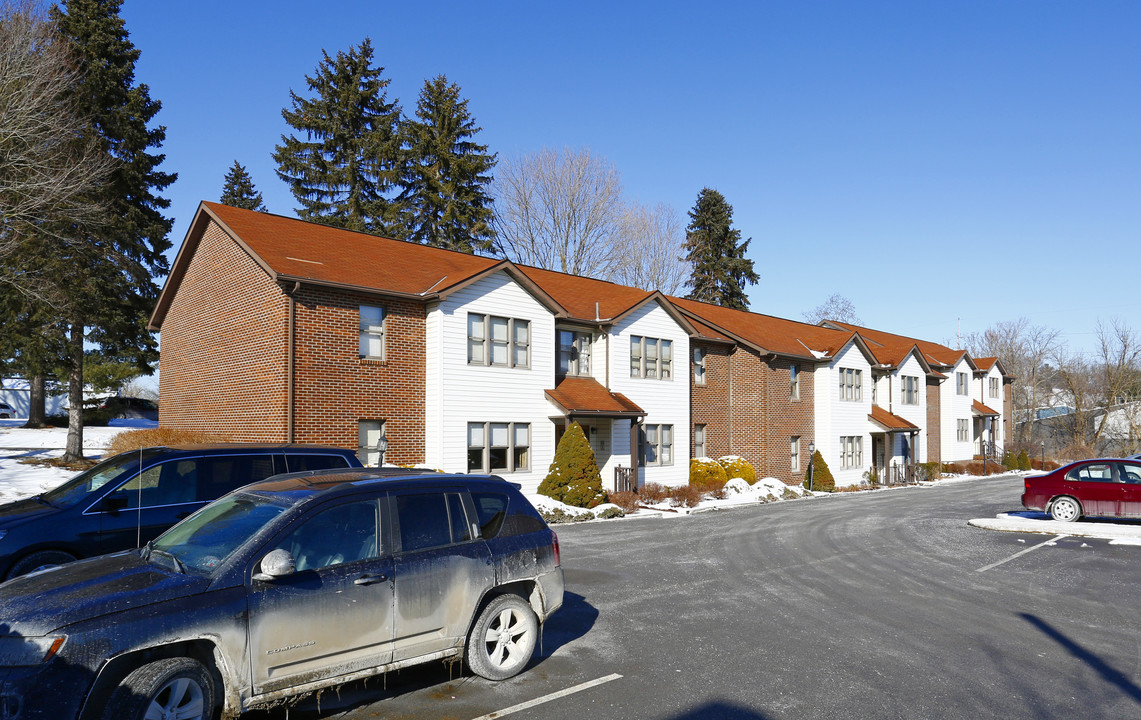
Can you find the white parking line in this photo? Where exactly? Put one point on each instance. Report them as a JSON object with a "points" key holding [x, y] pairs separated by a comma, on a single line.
{"points": [[548, 698], [1021, 552]]}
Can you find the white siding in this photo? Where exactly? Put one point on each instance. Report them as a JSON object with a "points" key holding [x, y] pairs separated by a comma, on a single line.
{"points": [[952, 408], [666, 402], [458, 393], [836, 418], [915, 414]]}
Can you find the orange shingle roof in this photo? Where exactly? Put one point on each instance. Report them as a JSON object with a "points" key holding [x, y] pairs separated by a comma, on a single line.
{"points": [[785, 337], [981, 409], [934, 353], [586, 396], [889, 420]]}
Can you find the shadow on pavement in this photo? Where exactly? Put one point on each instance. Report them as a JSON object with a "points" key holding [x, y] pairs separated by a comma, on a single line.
{"points": [[1108, 673]]}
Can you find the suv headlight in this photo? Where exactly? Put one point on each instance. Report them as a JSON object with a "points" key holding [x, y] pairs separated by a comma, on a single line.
{"points": [[23, 651]]}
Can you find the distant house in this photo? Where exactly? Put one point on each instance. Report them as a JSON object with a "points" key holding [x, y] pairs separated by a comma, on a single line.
{"points": [[277, 329], [16, 392]]}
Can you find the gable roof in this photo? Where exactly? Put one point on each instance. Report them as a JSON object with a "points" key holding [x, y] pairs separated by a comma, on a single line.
{"points": [[890, 421], [891, 345], [586, 396], [978, 408], [765, 333]]}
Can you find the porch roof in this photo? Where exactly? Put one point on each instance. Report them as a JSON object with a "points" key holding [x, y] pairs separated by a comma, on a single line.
{"points": [[977, 408], [586, 396], [889, 421]]}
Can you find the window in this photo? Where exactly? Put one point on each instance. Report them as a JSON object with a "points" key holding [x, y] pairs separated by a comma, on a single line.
{"points": [[657, 448], [171, 483], [699, 441], [794, 382], [371, 332], [574, 352], [430, 520], [794, 454], [368, 438], [342, 534], [909, 390], [498, 447], [962, 430], [851, 384], [501, 341], [994, 385], [961, 387], [852, 451], [651, 358], [699, 367]]}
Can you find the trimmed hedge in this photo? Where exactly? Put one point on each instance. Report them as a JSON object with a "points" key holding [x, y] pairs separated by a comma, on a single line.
{"points": [[706, 474]]}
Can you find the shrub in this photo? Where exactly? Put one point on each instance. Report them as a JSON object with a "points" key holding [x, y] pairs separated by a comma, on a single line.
{"points": [[1078, 452], [871, 477], [705, 473], [717, 491], [686, 495], [738, 467], [558, 516], [155, 437], [928, 470], [1023, 460], [611, 512], [822, 479], [1009, 461], [574, 477], [653, 493], [625, 499], [789, 494]]}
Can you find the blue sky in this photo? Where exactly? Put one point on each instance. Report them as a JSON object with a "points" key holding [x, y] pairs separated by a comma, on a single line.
{"points": [[941, 164]]}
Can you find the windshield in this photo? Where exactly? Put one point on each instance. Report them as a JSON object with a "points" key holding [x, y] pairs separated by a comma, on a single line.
{"points": [[207, 538], [111, 471]]}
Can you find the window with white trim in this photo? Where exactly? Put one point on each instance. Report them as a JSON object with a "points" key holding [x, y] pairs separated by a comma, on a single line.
{"points": [[794, 381], [651, 358], [368, 436], [851, 385], [657, 445], [794, 454], [994, 387], [963, 430], [500, 341], [909, 390], [371, 332], [851, 451], [699, 441], [498, 447], [961, 384], [574, 353], [698, 366]]}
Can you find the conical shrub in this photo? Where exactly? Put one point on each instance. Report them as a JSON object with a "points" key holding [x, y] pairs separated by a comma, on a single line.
{"points": [[573, 477]]}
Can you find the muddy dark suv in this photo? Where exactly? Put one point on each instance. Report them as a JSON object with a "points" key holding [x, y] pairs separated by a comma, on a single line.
{"points": [[286, 586]]}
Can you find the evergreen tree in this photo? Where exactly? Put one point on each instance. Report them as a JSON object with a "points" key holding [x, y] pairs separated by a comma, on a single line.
{"points": [[239, 191], [573, 477], [446, 173], [347, 168], [110, 268], [716, 253]]}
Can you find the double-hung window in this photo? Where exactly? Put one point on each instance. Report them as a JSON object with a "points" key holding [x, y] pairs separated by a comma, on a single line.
{"points": [[500, 341], [994, 385], [963, 430], [794, 454], [699, 367], [794, 381], [371, 332], [651, 358], [574, 353], [498, 447], [961, 386], [851, 384], [658, 446], [699, 441], [909, 390], [851, 451], [369, 433]]}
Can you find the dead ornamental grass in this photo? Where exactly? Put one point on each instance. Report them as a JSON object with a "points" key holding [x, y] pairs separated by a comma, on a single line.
{"points": [[156, 437]]}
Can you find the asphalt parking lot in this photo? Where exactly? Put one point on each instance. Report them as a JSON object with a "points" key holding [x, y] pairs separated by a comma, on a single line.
{"points": [[885, 605]]}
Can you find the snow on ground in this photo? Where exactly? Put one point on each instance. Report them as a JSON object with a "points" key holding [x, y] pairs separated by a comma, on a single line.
{"points": [[1125, 532], [12, 436]]}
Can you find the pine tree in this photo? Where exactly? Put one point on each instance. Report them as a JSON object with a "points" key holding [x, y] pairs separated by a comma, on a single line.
{"points": [[239, 191], [345, 171], [446, 174], [716, 253], [110, 269]]}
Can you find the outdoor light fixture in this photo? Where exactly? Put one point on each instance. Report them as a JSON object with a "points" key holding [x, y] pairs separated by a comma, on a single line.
{"points": [[1043, 468], [811, 453]]}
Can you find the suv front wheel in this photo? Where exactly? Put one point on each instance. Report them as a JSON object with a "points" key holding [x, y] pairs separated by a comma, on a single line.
{"points": [[503, 638], [171, 688]]}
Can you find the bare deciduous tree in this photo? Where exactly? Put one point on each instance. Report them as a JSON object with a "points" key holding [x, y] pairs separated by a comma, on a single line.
{"points": [[651, 240], [836, 307], [47, 162], [559, 210]]}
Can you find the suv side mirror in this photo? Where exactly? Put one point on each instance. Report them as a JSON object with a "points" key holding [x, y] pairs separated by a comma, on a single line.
{"points": [[276, 564], [113, 504]]}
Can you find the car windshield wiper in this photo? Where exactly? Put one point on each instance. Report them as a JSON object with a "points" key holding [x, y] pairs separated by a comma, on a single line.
{"points": [[177, 563], [42, 500]]}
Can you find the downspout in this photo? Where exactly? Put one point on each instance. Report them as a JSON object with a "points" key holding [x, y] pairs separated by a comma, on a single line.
{"points": [[732, 446], [289, 381]]}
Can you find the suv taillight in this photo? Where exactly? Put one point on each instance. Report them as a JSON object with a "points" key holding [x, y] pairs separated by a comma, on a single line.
{"points": [[555, 546]]}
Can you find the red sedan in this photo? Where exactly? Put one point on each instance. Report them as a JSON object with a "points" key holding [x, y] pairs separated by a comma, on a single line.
{"points": [[1105, 488]]}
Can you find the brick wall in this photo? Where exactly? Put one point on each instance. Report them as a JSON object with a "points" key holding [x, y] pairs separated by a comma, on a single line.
{"points": [[222, 359], [335, 388], [747, 411], [934, 432]]}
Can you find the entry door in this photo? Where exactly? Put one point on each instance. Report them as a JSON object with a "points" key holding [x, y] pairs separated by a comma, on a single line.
{"points": [[333, 615]]}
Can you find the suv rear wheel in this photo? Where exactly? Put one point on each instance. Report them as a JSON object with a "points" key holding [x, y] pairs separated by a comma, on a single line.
{"points": [[171, 688], [503, 638]]}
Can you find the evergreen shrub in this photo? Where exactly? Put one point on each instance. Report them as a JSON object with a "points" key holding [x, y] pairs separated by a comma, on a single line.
{"points": [[573, 477], [705, 474], [822, 480], [1023, 460]]}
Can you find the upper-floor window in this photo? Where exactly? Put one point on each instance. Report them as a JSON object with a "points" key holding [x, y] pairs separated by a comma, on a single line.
{"points": [[699, 366], [498, 447], [651, 358], [851, 384], [657, 448], [574, 352], [961, 386], [501, 341], [794, 382], [372, 332], [994, 386], [909, 390]]}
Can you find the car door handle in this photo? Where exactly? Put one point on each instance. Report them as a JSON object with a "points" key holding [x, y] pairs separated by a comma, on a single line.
{"points": [[369, 579]]}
